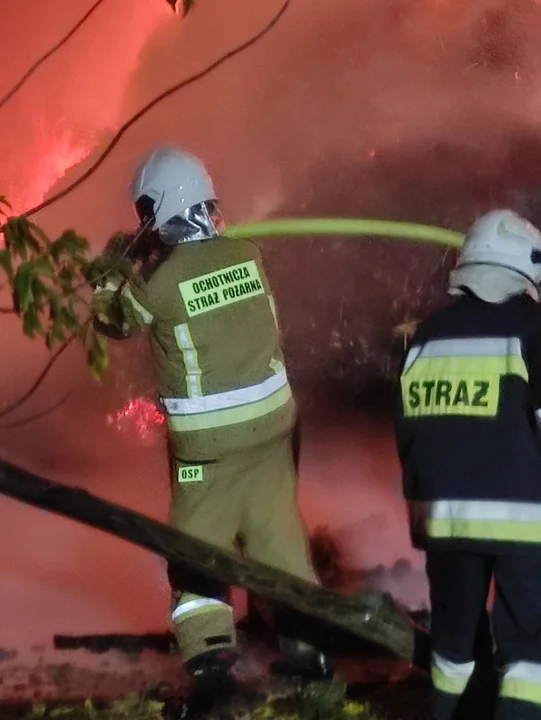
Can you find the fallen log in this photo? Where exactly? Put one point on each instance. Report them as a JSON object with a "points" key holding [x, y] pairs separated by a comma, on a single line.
{"points": [[371, 616]]}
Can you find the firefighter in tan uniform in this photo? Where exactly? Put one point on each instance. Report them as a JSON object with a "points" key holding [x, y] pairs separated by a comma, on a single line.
{"points": [[228, 403]]}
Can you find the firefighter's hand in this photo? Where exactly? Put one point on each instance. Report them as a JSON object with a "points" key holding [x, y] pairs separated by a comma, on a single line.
{"points": [[108, 318], [118, 245], [101, 304], [108, 269]]}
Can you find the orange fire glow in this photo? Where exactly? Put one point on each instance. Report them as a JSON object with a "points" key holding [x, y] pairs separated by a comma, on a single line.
{"points": [[62, 150]]}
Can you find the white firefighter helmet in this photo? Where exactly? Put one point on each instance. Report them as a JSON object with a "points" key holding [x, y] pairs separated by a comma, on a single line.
{"points": [[501, 255], [174, 195]]}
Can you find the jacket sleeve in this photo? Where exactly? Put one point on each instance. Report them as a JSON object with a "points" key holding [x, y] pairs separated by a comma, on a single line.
{"points": [[120, 309]]}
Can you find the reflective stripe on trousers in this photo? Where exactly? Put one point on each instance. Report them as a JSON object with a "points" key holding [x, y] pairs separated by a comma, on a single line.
{"points": [[450, 677], [228, 408], [190, 608], [201, 625], [477, 520], [522, 681]]}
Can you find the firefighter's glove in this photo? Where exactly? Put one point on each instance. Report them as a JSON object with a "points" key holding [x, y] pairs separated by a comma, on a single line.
{"points": [[109, 267], [102, 304]]}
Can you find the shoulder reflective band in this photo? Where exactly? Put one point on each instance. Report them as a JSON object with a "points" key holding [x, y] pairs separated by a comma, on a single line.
{"points": [[491, 520], [145, 315], [196, 606], [221, 288], [190, 473], [450, 677], [522, 681], [459, 377]]}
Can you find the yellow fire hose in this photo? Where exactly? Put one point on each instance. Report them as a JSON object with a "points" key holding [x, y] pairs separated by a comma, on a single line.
{"points": [[347, 226]]}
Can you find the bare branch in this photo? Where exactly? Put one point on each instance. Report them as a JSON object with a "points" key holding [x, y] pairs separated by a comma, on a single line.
{"points": [[41, 377], [38, 415], [48, 54], [370, 616], [157, 100]]}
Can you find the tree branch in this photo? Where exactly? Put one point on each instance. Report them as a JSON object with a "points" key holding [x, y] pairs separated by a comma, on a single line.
{"points": [[372, 616], [41, 377], [157, 100], [48, 54], [38, 415]]}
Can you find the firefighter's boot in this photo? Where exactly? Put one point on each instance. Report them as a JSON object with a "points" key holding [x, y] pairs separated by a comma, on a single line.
{"points": [[210, 686], [302, 662]]}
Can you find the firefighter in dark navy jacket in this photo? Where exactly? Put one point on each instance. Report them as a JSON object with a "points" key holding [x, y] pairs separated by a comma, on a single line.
{"points": [[469, 442]]}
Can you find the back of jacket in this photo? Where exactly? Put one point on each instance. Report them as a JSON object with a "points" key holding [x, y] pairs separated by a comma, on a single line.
{"points": [[467, 431], [216, 346]]}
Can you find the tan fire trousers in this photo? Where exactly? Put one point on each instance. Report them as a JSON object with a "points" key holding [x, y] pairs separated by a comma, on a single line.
{"points": [[249, 496]]}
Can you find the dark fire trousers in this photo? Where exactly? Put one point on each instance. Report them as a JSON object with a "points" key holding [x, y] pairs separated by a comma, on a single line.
{"points": [[463, 661]]}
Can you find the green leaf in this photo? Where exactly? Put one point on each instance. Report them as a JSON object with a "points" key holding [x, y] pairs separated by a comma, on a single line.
{"points": [[4, 201], [73, 242], [31, 324], [69, 243], [119, 244], [39, 232], [39, 290], [49, 341], [22, 286], [5, 262], [54, 306], [30, 240], [57, 331], [14, 240], [42, 265], [68, 318], [20, 237], [97, 356], [66, 276]]}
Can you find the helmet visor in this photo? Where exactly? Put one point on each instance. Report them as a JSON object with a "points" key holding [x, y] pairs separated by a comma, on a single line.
{"points": [[199, 222]]}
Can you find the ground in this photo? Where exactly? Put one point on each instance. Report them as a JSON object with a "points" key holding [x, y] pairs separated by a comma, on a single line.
{"points": [[268, 700], [366, 687]]}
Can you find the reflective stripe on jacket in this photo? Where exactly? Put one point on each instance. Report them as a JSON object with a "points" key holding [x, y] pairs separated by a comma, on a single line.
{"points": [[467, 425], [216, 346]]}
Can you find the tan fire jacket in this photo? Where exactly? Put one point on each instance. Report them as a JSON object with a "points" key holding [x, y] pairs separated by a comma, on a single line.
{"points": [[215, 340]]}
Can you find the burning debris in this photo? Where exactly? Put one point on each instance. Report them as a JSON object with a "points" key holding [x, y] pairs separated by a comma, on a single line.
{"points": [[140, 416]]}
